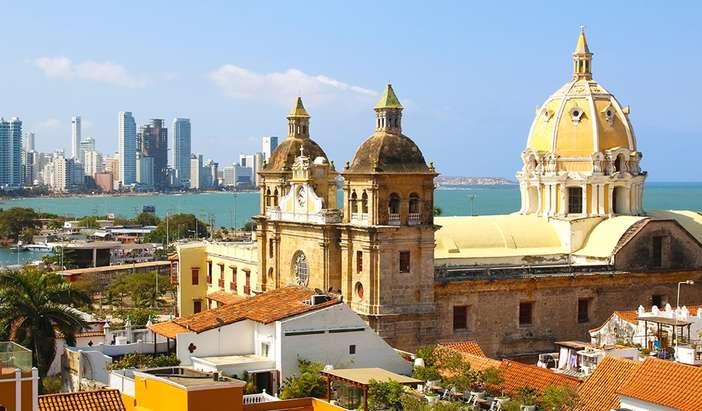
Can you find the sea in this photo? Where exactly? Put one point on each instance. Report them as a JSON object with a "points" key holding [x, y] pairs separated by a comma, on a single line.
{"points": [[235, 209]]}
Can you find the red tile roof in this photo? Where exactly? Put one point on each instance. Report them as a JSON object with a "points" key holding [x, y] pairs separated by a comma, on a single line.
{"points": [[224, 297], [517, 375], [264, 308], [98, 400], [666, 383], [599, 391], [468, 347]]}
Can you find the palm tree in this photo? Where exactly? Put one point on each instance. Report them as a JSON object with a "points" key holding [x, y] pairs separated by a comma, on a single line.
{"points": [[34, 307]]}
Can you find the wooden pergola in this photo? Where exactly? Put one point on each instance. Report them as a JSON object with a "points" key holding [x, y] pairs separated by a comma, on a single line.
{"points": [[361, 377], [663, 322]]}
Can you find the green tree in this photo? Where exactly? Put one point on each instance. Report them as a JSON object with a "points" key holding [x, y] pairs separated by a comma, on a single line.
{"points": [[559, 398], [308, 383], [141, 288], [16, 219], [34, 306], [145, 218], [384, 395], [438, 211], [138, 316], [141, 361], [179, 226]]}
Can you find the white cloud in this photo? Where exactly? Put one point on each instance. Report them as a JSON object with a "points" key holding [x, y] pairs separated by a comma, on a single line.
{"points": [[282, 87], [101, 72]]}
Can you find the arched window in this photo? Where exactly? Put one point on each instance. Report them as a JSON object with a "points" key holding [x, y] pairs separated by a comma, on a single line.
{"points": [[394, 204], [270, 273], [364, 202], [268, 197], [354, 202], [275, 197], [414, 203], [619, 163], [300, 269]]}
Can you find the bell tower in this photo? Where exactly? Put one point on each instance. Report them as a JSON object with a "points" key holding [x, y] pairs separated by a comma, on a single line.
{"points": [[387, 239]]}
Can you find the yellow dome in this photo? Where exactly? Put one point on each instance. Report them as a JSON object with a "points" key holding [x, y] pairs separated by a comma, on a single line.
{"points": [[582, 117]]}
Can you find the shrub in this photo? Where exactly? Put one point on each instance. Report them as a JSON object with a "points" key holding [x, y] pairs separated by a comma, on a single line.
{"points": [[384, 395], [308, 383], [559, 398], [141, 361]]}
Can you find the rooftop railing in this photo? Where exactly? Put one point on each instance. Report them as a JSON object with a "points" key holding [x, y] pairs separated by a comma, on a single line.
{"points": [[13, 356]]}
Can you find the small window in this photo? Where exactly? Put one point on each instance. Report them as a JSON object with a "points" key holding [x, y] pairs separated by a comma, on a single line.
{"points": [[209, 272], [354, 202], [657, 252], [394, 204], [359, 261], [247, 286], [197, 306], [359, 290], [364, 202], [659, 300], [270, 248], [460, 317], [525, 313], [404, 261], [583, 310], [575, 200], [195, 276], [352, 349], [264, 349]]}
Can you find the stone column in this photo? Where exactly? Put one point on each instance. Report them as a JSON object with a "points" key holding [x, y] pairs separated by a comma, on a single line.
{"points": [[600, 199], [610, 191], [564, 200], [583, 189]]}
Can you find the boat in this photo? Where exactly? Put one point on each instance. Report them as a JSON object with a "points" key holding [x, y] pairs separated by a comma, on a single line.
{"points": [[39, 247], [148, 208]]}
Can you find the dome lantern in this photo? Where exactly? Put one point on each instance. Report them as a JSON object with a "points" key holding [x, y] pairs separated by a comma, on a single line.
{"points": [[582, 58], [299, 121], [388, 112]]}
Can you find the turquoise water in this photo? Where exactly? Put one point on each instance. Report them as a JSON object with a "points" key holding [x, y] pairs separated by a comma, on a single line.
{"points": [[228, 208]]}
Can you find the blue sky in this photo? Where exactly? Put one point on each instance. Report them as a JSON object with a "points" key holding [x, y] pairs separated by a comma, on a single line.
{"points": [[470, 74]]}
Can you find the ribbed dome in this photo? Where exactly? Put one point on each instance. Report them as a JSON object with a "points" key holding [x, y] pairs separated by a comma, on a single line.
{"points": [[582, 117], [389, 152], [284, 155]]}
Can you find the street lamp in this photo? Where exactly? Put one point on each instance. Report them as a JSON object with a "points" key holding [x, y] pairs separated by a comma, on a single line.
{"points": [[677, 304]]}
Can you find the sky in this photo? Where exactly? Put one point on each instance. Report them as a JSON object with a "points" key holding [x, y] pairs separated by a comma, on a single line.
{"points": [[470, 74]]}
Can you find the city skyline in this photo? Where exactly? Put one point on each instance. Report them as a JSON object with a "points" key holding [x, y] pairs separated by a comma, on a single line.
{"points": [[480, 85]]}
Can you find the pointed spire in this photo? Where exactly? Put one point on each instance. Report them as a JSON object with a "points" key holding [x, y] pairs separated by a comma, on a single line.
{"points": [[582, 58], [389, 99], [298, 109]]}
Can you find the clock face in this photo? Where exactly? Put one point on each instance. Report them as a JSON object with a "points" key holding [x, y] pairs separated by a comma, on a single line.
{"points": [[301, 196]]}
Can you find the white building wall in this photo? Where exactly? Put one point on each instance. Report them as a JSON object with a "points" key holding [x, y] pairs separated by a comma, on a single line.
{"points": [[231, 339], [333, 348], [634, 404]]}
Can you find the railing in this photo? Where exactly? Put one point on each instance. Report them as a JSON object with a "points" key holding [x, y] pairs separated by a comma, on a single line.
{"points": [[259, 398], [322, 217], [232, 286], [220, 282], [13, 355], [361, 218], [121, 380], [394, 219], [414, 218]]}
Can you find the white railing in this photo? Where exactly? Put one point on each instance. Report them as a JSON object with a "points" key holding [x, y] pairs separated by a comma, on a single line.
{"points": [[322, 217], [120, 381], [259, 398], [414, 218], [394, 219]]}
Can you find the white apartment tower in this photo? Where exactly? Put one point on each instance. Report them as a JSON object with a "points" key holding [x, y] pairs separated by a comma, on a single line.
{"points": [[127, 148], [269, 144], [181, 150], [75, 137], [28, 141]]}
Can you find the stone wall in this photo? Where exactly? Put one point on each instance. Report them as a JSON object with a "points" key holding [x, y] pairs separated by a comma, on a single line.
{"points": [[493, 306], [679, 250]]}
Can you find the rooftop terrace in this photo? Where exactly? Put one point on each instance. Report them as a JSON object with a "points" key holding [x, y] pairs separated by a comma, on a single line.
{"points": [[13, 356]]}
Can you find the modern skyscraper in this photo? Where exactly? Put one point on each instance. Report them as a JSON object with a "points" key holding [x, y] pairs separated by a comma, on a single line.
{"points": [[10, 153], [127, 148], [181, 150], [145, 171], [196, 171], [75, 137], [269, 144], [153, 139], [85, 145], [28, 142]]}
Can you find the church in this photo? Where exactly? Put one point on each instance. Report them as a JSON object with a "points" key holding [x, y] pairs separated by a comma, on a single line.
{"points": [[580, 247]]}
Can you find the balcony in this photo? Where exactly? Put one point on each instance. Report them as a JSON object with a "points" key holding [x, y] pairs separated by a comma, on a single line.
{"points": [[415, 218], [259, 398], [359, 218], [323, 217], [220, 283], [232, 286], [13, 356], [394, 219]]}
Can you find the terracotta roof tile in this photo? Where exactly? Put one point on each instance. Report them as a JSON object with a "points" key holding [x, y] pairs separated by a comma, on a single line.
{"points": [[468, 347], [98, 400], [480, 363], [666, 383], [224, 297], [517, 375], [599, 391], [265, 308]]}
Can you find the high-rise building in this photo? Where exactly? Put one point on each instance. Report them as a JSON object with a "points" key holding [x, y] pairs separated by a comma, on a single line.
{"points": [[269, 144], [153, 142], [92, 162], [196, 171], [211, 168], [10, 153], [127, 148], [181, 150], [85, 145], [146, 171], [28, 141], [75, 137]]}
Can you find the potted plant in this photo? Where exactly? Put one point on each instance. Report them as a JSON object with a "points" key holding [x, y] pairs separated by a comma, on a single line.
{"points": [[432, 397], [527, 398]]}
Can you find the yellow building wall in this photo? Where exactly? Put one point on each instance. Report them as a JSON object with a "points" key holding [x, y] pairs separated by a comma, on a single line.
{"points": [[606, 198], [236, 259], [588, 197], [558, 197], [575, 166], [190, 257], [154, 395]]}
